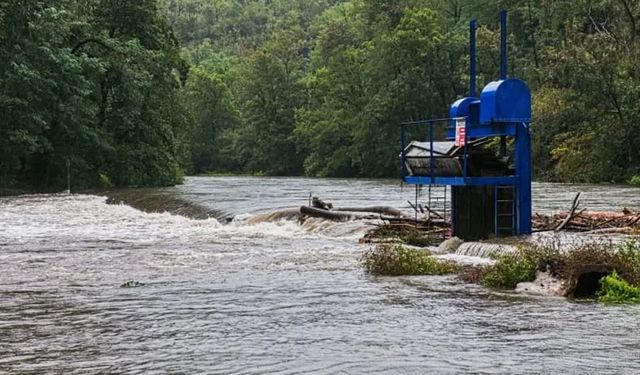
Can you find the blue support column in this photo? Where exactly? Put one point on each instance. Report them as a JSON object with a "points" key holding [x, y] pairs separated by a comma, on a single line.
{"points": [[524, 176]]}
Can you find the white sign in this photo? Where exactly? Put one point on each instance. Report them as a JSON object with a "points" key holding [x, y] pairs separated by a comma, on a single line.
{"points": [[461, 132]]}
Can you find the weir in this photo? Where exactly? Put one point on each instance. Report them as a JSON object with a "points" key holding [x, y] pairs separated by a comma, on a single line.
{"points": [[484, 158]]}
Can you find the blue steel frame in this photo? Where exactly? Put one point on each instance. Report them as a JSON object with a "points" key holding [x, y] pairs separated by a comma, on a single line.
{"points": [[521, 180], [464, 180], [515, 128]]}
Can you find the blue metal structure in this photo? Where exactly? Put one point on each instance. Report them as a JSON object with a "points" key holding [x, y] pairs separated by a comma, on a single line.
{"points": [[503, 111]]}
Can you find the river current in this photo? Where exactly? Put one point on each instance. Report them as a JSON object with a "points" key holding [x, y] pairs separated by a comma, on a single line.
{"points": [[273, 297]]}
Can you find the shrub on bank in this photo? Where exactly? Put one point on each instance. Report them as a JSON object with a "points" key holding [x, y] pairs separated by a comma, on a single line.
{"points": [[621, 262], [397, 260], [629, 260], [634, 180], [614, 289], [567, 264], [509, 270]]}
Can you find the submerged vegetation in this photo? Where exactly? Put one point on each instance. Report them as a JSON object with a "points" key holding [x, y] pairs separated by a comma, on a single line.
{"points": [[616, 266], [398, 260], [508, 271]]}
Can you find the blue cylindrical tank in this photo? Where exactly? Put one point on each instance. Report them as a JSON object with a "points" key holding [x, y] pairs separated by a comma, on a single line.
{"points": [[506, 100], [465, 107], [461, 107]]}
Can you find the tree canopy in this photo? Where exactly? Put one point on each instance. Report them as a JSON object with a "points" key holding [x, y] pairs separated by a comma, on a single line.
{"points": [[136, 93]]}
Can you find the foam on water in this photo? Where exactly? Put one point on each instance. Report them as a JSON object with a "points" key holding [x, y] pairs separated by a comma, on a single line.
{"points": [[267, 297], [88, 217], [484, 250], [466, 260]]}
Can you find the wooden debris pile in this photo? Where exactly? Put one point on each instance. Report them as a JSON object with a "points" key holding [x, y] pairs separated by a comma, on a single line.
{"points": [[625, 222], [428, 229], [421, 233]]}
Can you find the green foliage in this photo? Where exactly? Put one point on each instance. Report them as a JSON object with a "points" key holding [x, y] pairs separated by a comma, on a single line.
{"points": [[567, 264], [321, 85], [298, 86], [104, 181], [212, 114], [635, 180], [509, 270], [616, 290], [628, 255], [92, 85], [397, 260], [270, 91]]}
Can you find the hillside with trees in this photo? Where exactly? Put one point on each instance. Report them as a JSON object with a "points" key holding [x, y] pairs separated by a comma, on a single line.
{"points": [[138, 93]]}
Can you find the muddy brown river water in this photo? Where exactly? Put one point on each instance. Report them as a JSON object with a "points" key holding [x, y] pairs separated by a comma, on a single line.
{"points": [[272, 297]]}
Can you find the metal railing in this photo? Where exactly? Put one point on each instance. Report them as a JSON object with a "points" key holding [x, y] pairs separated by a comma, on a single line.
{"points": [[431, 124]]}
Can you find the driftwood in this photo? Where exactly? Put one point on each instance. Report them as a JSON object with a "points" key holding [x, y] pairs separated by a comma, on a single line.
{"points": [[383, 210], [319, 208], [624, 230], [333, 215], [590, 222], [319, 203], [571, 214], [413, 206], [409, 229], [421, 208], [625, 222], [433, 212]]}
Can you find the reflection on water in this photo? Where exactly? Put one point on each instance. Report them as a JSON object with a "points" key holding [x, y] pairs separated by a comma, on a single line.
{"points": [[272, 297]]}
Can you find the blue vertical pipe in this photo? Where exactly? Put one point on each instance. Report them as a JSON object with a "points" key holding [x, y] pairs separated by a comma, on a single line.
{"points": [[503, 44], [524, 175], [472, 59], [503, 140]]}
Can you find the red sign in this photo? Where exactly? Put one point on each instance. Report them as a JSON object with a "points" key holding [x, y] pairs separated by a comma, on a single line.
{"points": [[461, 132]]}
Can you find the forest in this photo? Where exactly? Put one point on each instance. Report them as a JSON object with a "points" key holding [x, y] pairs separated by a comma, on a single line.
{"points": [[140, 93]]}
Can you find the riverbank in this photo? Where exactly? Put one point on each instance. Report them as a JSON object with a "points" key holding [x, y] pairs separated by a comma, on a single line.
{"points": [[607, 268]]}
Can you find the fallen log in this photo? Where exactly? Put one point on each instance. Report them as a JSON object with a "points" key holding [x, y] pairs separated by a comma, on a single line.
{"points": [[332, 215], [623, 230], [383, 210]]}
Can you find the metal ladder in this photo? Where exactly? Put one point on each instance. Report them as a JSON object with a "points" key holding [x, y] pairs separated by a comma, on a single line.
{"points": [[505, 209]]}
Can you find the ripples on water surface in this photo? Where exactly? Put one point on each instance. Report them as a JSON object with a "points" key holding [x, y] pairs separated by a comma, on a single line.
{"points": [[272, 297]]}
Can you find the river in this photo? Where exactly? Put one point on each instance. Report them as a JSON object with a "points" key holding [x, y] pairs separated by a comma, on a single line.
{"points": [[273, 297]]}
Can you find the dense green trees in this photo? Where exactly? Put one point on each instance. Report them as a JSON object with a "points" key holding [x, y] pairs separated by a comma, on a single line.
{"points": [[94, 84], [360, 67], [134, 93], [588, 105]]}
